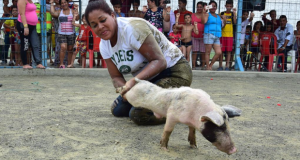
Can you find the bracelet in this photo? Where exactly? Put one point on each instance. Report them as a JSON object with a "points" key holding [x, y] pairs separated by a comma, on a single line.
{"points": [[25, 25], [168, 13]]}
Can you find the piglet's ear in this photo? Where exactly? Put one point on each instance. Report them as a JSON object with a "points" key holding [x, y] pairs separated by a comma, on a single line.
{"points": [[232, 111], [213, 117]]}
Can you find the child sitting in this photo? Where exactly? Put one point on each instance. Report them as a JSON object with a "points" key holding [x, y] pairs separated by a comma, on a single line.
{"points": [[246, 44], [186, 34], [255, 42], [81, 41], [175, 37], [117, 5]]}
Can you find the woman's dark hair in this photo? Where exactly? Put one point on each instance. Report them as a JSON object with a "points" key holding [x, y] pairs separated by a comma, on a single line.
{"points": [[256, 23], [61, 0], [116, 2], [201, 3], [96, 5], [157, 2], [298, 22], [136, 1], [183, 1], [213, 2], [82, 16]]}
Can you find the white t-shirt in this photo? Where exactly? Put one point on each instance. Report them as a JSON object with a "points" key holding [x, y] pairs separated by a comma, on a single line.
{"points": [[131, 34], [243, 31]]}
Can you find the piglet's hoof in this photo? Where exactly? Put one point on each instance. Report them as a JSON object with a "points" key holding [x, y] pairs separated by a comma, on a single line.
{"points": [[193, 146], [164, 149]]}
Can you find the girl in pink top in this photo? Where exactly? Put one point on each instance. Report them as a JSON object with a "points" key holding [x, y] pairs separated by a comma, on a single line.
{"points": [[26, 26], [198, 44]]}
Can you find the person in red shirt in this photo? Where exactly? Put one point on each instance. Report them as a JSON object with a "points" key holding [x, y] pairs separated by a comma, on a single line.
{"points": [[274, 21], [126, 5], [182, 10], [175, 37], [81, 41]]}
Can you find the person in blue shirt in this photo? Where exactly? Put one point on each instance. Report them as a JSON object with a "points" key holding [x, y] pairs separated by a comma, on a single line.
{"points": [[212, 32], [117, 5]]}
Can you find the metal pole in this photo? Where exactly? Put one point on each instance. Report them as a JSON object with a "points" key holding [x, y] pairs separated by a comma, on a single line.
{"points": [[43, 32], [238, 63], [79, 11], [219, 6], [194, 5]]}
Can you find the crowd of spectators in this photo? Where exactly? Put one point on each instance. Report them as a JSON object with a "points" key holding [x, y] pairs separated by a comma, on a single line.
{"points": [[197, 33]]}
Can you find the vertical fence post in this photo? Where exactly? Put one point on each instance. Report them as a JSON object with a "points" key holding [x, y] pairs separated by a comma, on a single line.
{"points": [[79, 11], [194, 5], [43, 32], [238, 63]]}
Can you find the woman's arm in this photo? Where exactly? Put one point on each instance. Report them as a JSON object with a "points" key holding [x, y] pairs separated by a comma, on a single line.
{"points": [[143, 13], [195, 29], [166, 14], [74, 11], [54, 13], [204, 15], [157, 62], [21, 9], [117, 78], [74, 19]]}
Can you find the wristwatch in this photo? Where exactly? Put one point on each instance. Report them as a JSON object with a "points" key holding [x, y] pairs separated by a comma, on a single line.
{"points": [[282, 47]]}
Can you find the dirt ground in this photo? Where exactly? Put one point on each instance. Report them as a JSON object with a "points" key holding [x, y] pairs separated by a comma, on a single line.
{"points": [[45, 117]]}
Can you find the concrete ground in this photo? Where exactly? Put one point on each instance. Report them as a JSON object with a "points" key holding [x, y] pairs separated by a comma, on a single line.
{"points": [[65, 114]]}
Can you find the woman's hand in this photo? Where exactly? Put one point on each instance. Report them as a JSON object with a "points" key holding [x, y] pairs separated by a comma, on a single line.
{"points": [[26, 31], [129, 84]]}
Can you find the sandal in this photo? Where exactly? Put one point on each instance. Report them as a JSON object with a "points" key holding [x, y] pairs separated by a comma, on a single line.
{"points": [[62, 66]]}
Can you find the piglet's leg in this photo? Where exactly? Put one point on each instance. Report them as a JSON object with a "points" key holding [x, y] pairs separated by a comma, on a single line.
{"points": [[192, 137], [169, 126]]}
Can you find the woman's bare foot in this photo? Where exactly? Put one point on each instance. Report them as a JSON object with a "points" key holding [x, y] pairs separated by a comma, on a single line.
{"points": [[209, 68], [40, 66], [27, 66], [70, 66]]}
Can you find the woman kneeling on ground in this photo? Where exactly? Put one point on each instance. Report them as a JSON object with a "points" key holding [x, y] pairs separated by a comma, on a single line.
{"points": [[133, 45]]}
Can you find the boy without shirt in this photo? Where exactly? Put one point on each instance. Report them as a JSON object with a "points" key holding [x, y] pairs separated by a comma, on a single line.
{"points": [[186, 34]]}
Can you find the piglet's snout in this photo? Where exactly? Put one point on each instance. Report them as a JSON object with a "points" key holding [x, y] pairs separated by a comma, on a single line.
{"points": [[232, 150]]}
